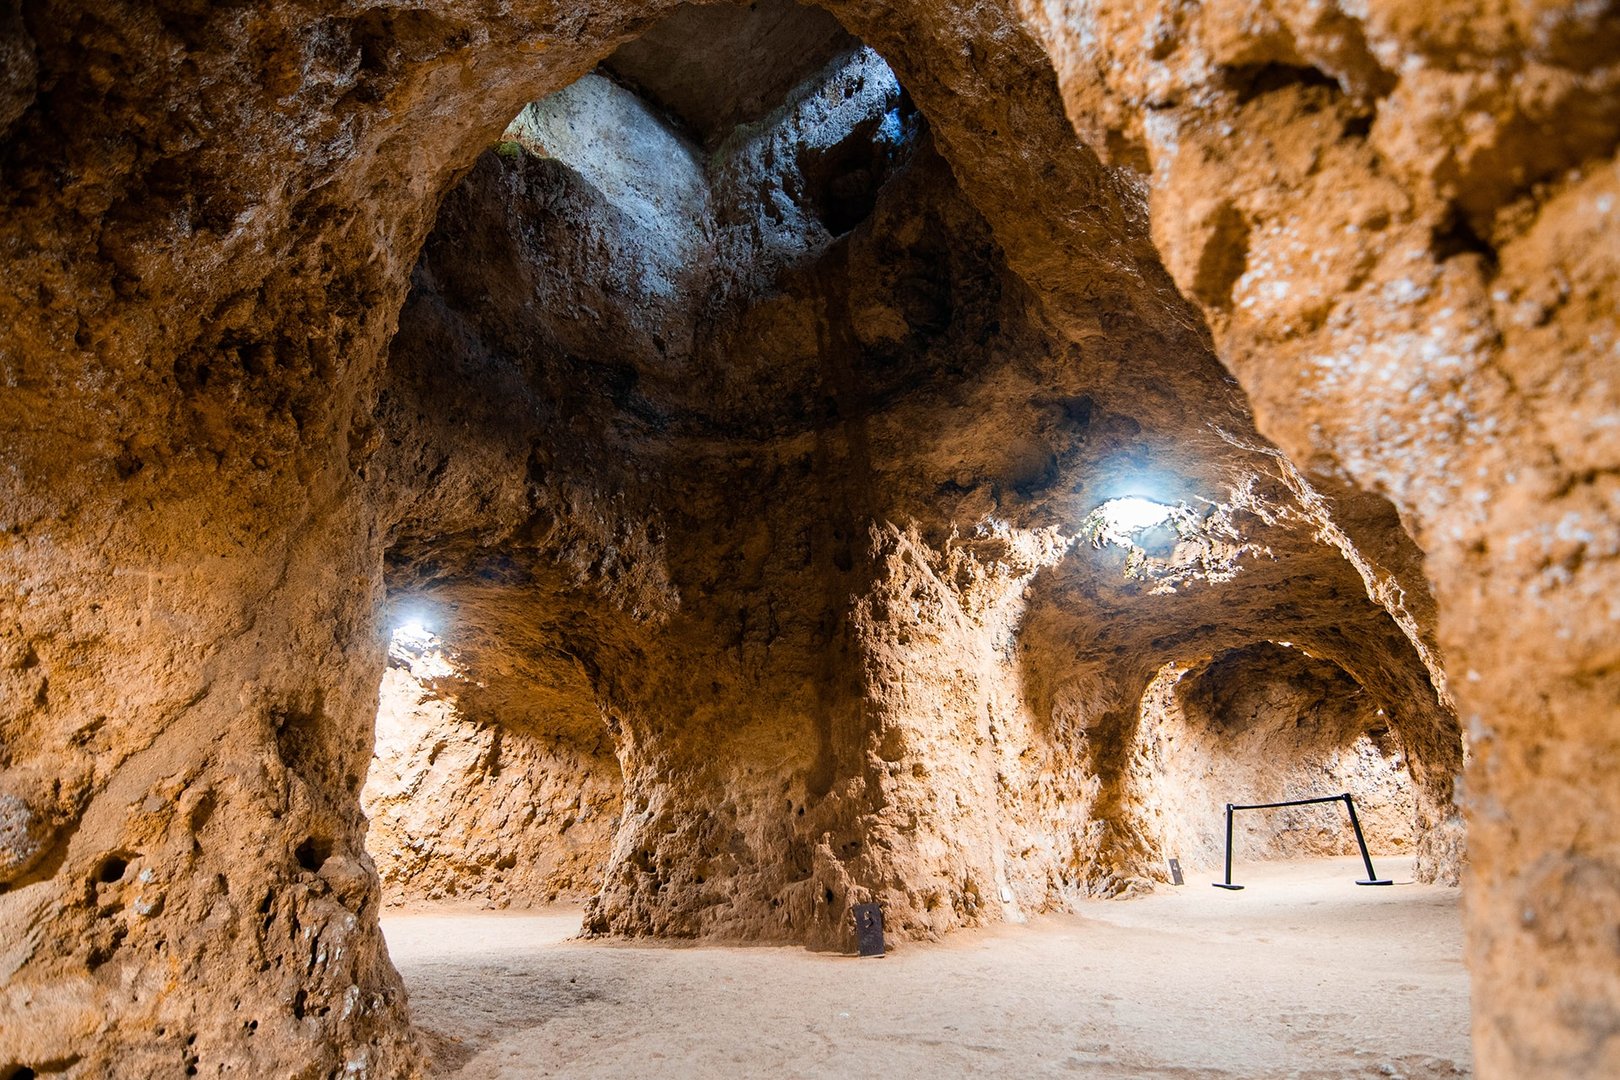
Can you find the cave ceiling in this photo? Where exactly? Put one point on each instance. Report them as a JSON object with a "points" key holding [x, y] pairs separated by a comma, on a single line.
{"points": [[713, 67]]}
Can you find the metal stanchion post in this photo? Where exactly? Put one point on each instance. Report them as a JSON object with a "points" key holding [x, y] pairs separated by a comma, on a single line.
{"points": [[1361, 842], [1227, 884], [1372, 877]]}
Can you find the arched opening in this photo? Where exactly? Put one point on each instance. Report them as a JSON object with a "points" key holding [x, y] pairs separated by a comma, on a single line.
{"points": [[479, 794], [1266, 723]]}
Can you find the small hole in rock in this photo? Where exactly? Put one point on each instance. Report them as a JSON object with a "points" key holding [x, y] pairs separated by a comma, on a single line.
{"points": [[313, 853], [111, 869], [1456, 235]]}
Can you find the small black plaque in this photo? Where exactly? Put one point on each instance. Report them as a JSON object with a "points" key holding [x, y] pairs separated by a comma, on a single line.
{"points": [[1175, 873], [869, 929]]}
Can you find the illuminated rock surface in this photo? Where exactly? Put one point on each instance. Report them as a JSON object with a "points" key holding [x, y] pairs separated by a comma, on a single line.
{"points": [[740, 437]]}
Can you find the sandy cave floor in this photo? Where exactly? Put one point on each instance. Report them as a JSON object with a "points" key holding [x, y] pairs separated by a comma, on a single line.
{"points": [[1302, 975]]}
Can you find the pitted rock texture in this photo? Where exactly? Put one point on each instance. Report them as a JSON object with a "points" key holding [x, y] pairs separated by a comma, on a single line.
{"points": [[483, 813], [1400, 223], [811, 560]]}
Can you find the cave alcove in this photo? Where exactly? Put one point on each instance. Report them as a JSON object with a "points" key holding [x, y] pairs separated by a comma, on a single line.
{"points": [[1270, 723], [717, 401]]}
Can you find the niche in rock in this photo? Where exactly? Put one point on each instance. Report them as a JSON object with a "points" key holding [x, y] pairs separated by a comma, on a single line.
{"points": [[1268, 723], [619, 451], [505, 795]]}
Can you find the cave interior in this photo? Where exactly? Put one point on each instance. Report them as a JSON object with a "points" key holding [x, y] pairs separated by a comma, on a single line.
{"points": [[737, 289], [651, 458]]}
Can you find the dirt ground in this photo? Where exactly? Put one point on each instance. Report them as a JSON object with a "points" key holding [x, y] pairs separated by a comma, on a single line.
{"points": [[1302, 975]]}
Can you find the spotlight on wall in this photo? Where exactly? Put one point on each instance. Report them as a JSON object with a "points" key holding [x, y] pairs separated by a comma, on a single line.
{"points": [[1118, 520], [414, 643], [413, 632], [1132, 514]]}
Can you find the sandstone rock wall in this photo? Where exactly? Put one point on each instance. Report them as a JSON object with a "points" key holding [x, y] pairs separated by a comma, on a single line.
{"points": [[481, 813], [216, 480]]}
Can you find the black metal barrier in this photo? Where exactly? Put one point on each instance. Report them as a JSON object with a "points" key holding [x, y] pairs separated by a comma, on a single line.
{"points": [[1355, 823]]}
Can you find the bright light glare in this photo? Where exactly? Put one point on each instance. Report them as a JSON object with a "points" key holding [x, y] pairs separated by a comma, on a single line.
{"points": [[413, 633], [414, 644], [1131, 514]]}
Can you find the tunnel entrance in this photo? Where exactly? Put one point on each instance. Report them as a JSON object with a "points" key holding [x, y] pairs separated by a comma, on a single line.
{"points": [[1266, 723], [503, 800]]}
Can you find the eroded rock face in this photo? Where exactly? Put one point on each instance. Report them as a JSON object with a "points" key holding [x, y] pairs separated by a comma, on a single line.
{"points": [[813, 561], [484, 813], [1270, 723], [1399, 220]]}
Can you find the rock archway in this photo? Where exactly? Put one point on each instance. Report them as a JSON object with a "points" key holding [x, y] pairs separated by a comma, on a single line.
{"points": [[505, 803], [211, 220], [807, 659], [1270, 723]]}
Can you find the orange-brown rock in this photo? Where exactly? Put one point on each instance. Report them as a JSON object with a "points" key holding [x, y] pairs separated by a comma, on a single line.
{"points": [[757, 437], [1399, 221]]}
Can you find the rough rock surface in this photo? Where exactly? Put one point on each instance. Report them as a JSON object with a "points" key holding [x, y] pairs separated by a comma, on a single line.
{"points": [[810, 552], [1400, 222], [1266, 724], [469, 811]]}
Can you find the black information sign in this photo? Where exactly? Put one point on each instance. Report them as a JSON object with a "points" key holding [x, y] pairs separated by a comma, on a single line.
{"points": [[869, 929], [1175, 873]]}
